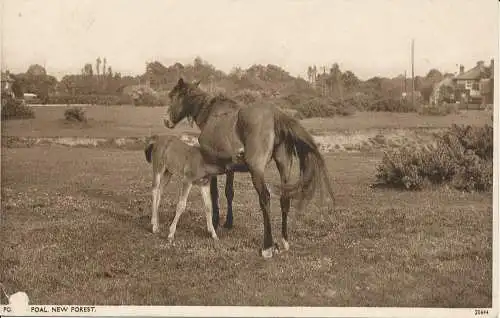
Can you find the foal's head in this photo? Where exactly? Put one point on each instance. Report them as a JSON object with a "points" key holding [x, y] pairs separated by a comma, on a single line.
{"points": [[181, 102]]}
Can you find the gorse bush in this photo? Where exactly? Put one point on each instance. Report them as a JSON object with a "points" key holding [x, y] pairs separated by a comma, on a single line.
{"points": [[390, 105], [319, 107], [16, 109], [75, 114], [461, 157], [438, 110]]}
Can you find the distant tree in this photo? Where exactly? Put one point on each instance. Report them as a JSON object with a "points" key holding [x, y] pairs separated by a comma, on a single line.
{"points": [[17, 88], [97, 64], [309, 74], [434, 76], [350, 80], [87, 70], [36, 70], [104, 61]]}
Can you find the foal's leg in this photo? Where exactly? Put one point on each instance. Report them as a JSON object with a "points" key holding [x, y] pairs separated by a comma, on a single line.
{"points": [[284, 165], [205, 193], [181, 206], [158, 183], [229, 197], [214, 193]]}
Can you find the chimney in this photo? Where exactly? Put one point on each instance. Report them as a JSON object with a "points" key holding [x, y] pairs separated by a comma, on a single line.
{"points": [[480, 64], [461, 69]]}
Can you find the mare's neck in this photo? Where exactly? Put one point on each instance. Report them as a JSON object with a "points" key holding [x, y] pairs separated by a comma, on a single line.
{"points": [[201, 106]]}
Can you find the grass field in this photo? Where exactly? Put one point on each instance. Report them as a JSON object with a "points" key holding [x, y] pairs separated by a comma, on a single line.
{"points": [[129, 121], [78, 233], [75, 226]]}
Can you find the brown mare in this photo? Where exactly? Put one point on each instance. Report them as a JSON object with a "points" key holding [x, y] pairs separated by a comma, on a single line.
{"points": [[258, 134]]}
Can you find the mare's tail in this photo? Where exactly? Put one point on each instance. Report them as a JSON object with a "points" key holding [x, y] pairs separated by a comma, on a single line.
{"points": [[313, 172]]}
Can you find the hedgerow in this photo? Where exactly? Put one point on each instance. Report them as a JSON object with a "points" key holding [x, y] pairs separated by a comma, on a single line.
{"points": [[16, 109], [461, 157]]}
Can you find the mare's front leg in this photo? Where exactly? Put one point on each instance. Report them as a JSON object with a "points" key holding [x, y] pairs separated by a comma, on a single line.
{"points": [[229, 196], [214, 195]]}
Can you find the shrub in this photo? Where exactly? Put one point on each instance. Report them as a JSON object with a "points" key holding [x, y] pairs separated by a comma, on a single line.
{"points": [[142, 95], [247, 96], [462, 157], [16, 109], [87, 99], [390, 105], [322, 107], [438, 110], [75, 114]]}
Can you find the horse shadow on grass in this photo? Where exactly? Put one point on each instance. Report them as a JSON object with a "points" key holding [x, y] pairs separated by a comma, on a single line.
{"points": [[135, 211]]}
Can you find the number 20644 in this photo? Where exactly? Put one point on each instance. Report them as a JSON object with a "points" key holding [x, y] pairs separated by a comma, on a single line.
{"points": [[480, 312]]}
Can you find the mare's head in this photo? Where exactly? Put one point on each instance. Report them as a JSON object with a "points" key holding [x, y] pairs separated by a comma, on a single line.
{"points": [[181, 102]]}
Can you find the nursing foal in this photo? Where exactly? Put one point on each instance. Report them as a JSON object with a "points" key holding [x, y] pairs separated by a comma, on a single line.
{"points": [[170, 156]]}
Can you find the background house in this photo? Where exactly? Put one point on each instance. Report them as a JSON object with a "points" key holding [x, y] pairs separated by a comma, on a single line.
{"points": [[475, 86]]}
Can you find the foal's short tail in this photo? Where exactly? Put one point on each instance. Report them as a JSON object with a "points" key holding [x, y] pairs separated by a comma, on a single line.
{"points": [[148, 151], [313, 172]]}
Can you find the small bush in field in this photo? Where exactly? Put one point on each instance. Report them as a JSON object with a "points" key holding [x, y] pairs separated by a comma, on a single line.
{"points": [[75, 114], [462, 157], [16, 109]]}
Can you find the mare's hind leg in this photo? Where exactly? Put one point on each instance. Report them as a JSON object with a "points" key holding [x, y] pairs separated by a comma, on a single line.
{"points": [[229, 196], [284, 165], [181, 206], [205, 193], [158, 183], [214, 194]]}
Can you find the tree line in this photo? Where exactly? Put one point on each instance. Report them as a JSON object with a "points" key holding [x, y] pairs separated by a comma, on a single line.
{"points": [[269, 80]]}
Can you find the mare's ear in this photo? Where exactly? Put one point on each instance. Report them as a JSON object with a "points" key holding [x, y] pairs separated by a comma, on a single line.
{"points": [[180, 82], [197, 83]]}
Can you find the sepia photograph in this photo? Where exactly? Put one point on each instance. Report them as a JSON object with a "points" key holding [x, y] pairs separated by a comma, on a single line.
{"points": [[277, 158]]}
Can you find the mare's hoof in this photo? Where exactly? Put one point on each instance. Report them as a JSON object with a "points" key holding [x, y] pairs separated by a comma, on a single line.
{"points": [[268, 253], [228, 225]]}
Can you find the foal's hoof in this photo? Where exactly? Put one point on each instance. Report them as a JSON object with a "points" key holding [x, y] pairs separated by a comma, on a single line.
{"points": [[228, 225], [268, 253], [155, 229], [286, 246]]}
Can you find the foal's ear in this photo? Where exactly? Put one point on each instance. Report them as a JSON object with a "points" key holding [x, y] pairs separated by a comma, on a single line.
{"points": [[197, 83], [180, 82]]}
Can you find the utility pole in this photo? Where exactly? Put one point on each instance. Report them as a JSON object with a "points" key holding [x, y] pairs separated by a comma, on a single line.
{"points": [[413, 72]]}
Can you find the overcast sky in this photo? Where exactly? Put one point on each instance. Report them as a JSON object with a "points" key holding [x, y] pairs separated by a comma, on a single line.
{"points": [[369, 37]]}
